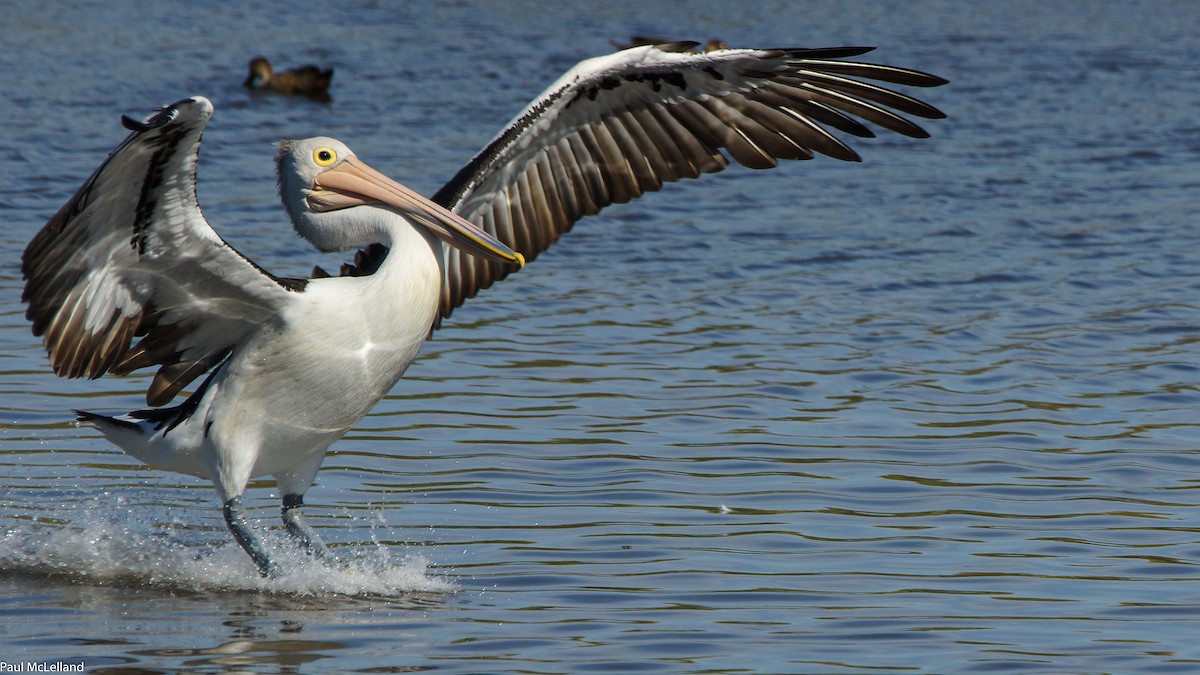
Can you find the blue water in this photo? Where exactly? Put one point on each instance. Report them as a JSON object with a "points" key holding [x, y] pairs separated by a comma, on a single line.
{"points": [[932, 413]]}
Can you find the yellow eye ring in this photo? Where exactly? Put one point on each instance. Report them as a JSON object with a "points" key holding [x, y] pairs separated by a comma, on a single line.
{"points": [[324, 156]]}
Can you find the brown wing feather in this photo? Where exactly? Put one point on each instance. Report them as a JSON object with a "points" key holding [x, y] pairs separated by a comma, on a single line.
{"points": [[618, 126]]}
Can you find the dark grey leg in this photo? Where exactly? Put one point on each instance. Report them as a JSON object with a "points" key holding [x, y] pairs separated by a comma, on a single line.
{"points": [[300, 531], [235, 518]]}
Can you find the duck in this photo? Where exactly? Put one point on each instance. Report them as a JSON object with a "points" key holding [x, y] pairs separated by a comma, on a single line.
{"points": [[308, 80]]}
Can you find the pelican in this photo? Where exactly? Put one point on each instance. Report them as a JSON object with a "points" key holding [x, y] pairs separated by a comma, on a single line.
{"points": [[128, 274], [311, 81]]}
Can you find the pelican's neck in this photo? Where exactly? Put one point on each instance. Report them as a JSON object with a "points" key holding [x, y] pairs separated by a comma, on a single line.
{"points": [[411, 248], [399, 296], [404, 292]]}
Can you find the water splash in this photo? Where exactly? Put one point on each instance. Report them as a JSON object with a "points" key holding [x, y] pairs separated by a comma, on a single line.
{"points": [[120, 550]]}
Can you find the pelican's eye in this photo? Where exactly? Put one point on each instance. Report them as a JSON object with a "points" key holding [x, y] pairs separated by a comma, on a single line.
{"points": [[324, 156]]}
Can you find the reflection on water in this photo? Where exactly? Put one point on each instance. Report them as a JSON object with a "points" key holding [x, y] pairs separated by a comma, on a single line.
{"points": [[935, 412]]}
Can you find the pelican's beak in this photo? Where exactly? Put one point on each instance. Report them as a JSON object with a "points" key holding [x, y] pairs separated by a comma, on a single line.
{"points": [[353, 183]]}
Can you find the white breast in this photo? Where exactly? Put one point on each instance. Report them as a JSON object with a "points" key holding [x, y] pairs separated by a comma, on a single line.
{"points": [[291, 392]]}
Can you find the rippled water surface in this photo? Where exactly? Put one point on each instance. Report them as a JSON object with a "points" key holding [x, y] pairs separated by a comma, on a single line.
{"points": [[936, 412]]}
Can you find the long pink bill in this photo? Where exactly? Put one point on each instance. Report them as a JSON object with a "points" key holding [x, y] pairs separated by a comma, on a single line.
{"points": [[353, 183]]}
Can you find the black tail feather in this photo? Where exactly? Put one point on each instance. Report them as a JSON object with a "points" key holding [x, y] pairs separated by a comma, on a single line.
{"points": [[97, 419]]}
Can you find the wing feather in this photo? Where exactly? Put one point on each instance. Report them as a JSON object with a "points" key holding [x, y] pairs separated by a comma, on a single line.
{"points": [[130, 255], [589, 167], [617, 126]]}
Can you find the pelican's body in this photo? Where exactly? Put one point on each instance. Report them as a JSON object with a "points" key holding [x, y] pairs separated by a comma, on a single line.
{"points": [[129, 274], [311, 81], [297, 385], [294, 362]]}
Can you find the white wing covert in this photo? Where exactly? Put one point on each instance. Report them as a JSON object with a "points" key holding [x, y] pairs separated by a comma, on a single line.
{"points": [[130, 255]]}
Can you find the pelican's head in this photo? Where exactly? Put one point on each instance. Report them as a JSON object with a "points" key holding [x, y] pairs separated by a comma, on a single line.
{"points": [[337, 202], [260, 72]]}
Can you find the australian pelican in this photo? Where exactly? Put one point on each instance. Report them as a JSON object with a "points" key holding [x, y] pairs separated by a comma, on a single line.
{"points": [[128, 274]]}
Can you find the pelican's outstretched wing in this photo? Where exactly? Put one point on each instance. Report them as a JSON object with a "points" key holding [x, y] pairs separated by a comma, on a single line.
{"points": [[131, 255], [617, 126]]}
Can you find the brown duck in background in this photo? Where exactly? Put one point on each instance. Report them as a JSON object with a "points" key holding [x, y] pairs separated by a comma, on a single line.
{"points": [[310, 81]]}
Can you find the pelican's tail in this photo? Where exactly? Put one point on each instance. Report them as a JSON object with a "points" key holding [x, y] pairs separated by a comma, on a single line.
{"points": [[145, 435], [112, 427], [128, 432]]}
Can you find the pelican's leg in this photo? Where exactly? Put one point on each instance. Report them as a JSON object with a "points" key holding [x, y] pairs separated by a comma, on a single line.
{"points": [[293, 483], [301, 532], [235, 518]]}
